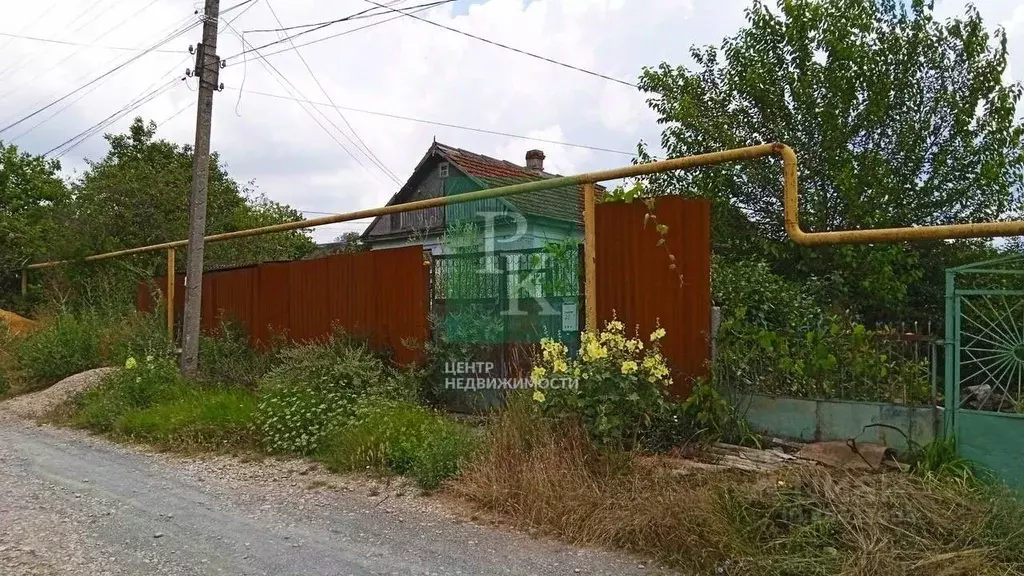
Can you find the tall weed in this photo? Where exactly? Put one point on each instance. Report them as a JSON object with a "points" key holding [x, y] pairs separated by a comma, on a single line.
{"points": [[402, 438], [799, 521], [64, 345], [227, 357]]}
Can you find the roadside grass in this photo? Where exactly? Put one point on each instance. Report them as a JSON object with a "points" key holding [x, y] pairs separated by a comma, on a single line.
{"points": [[799, 521], [149, 401], [400, 438], [337, 402], [197, 420], [69, 343]]}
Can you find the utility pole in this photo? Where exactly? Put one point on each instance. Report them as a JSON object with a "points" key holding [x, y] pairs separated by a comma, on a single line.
{"points": [[208, 70]]}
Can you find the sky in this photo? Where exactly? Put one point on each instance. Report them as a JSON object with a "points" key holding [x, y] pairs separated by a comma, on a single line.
{"points": [[323, 160]]}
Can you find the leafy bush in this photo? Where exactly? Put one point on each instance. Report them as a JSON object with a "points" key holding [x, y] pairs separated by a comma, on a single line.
{"points": [[317, 387], [138, 385], [774, 339], [749, 290], [715, 418], [402, 438], [837, 358], [69, 343], [227, 357], [66, 345], [622, 385]]}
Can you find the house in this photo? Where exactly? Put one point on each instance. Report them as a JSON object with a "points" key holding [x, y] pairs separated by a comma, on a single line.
{"points": [[529, 220]]}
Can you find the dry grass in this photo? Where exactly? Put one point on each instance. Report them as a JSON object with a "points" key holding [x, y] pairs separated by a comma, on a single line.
{"points": [[804, 520]]}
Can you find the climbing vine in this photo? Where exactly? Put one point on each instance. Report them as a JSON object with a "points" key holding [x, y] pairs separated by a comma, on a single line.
{"points": [[636, 192]]}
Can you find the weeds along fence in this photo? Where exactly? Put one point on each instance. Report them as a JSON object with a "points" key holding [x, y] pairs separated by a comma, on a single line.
{"points": [[896, 364], [380, 295]]}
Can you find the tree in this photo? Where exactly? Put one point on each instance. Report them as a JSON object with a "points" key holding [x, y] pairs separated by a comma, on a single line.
{"points": [[138, 194], [31, 195], [350, 242], [898, 120]]}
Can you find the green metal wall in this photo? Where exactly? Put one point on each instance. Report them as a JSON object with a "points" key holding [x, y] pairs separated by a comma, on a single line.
{"points": [[995, 441]]}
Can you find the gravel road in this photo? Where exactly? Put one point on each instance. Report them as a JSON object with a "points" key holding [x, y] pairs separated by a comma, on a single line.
{"points": [[72, 504]]}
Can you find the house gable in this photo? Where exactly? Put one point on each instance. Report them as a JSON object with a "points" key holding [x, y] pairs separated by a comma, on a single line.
{"points": [[448, 171]]}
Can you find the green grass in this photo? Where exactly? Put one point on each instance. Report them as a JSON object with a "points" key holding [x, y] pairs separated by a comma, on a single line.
{"points": [[401, 438], [198, 418]]}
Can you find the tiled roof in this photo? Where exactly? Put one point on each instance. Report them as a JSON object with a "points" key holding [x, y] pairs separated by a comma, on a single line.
{"points": [[565, 203]]}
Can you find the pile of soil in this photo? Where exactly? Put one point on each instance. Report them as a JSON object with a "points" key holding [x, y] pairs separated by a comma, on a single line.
{"points": [[16, 325], [38, 404]]}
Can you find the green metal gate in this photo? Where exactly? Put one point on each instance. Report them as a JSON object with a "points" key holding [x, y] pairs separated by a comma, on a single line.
{"points": [[984, 383]]}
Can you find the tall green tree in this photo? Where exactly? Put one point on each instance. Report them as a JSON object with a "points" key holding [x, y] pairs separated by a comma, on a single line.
{"points": [[898, 119], [31, 197], [138, 194]]}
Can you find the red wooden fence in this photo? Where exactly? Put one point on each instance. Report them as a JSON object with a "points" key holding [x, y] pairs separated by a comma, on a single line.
{"points": [[380, 294], [634, 279]]}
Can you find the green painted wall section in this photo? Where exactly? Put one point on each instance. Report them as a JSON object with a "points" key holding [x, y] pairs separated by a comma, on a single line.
{"points": [[995, 441], [824, 420]]}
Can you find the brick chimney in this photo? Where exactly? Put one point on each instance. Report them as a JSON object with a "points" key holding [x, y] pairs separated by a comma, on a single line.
{"points": [[535, 159]]}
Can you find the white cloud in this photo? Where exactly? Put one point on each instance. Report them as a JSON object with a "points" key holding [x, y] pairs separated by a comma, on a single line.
{"points": [[402, 67]]}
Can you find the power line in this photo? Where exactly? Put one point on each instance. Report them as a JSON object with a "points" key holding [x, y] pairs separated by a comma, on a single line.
{"points": [[444, 124], [357, 16], [331, 23], [19, 63], [79, 98], [505, 46], [75, 53], [365, 149], [106, 74], [190, 104], [282, 80], [419, 8], [240, 4], [91, 131], [28, 26], [67, 43]]}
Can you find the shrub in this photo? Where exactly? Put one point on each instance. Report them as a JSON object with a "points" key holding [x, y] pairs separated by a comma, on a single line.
{"points": [[66, 345], [138, 385], [227, 357], [751, 291], [402, 438], [837, 358], [317, 387], [622, 384]]}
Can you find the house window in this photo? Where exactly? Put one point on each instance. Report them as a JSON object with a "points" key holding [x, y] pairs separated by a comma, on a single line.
{"points": [[396, 221], [442, 170]]}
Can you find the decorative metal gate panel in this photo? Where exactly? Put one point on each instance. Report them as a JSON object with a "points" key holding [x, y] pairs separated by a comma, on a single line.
{"points": [[984, 376]]}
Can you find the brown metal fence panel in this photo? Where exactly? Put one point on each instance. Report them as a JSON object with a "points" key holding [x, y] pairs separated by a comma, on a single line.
{"points": [[380, 295], [636, 284]]}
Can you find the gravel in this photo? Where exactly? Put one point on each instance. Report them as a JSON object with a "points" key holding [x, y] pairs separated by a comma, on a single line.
{"points": [[73, 504], [37, 404]]}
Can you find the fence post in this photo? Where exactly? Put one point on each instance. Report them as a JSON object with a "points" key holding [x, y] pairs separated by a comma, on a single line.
{"points": [[589, 249], [170, 293], [949, 386], [24, 282]]}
